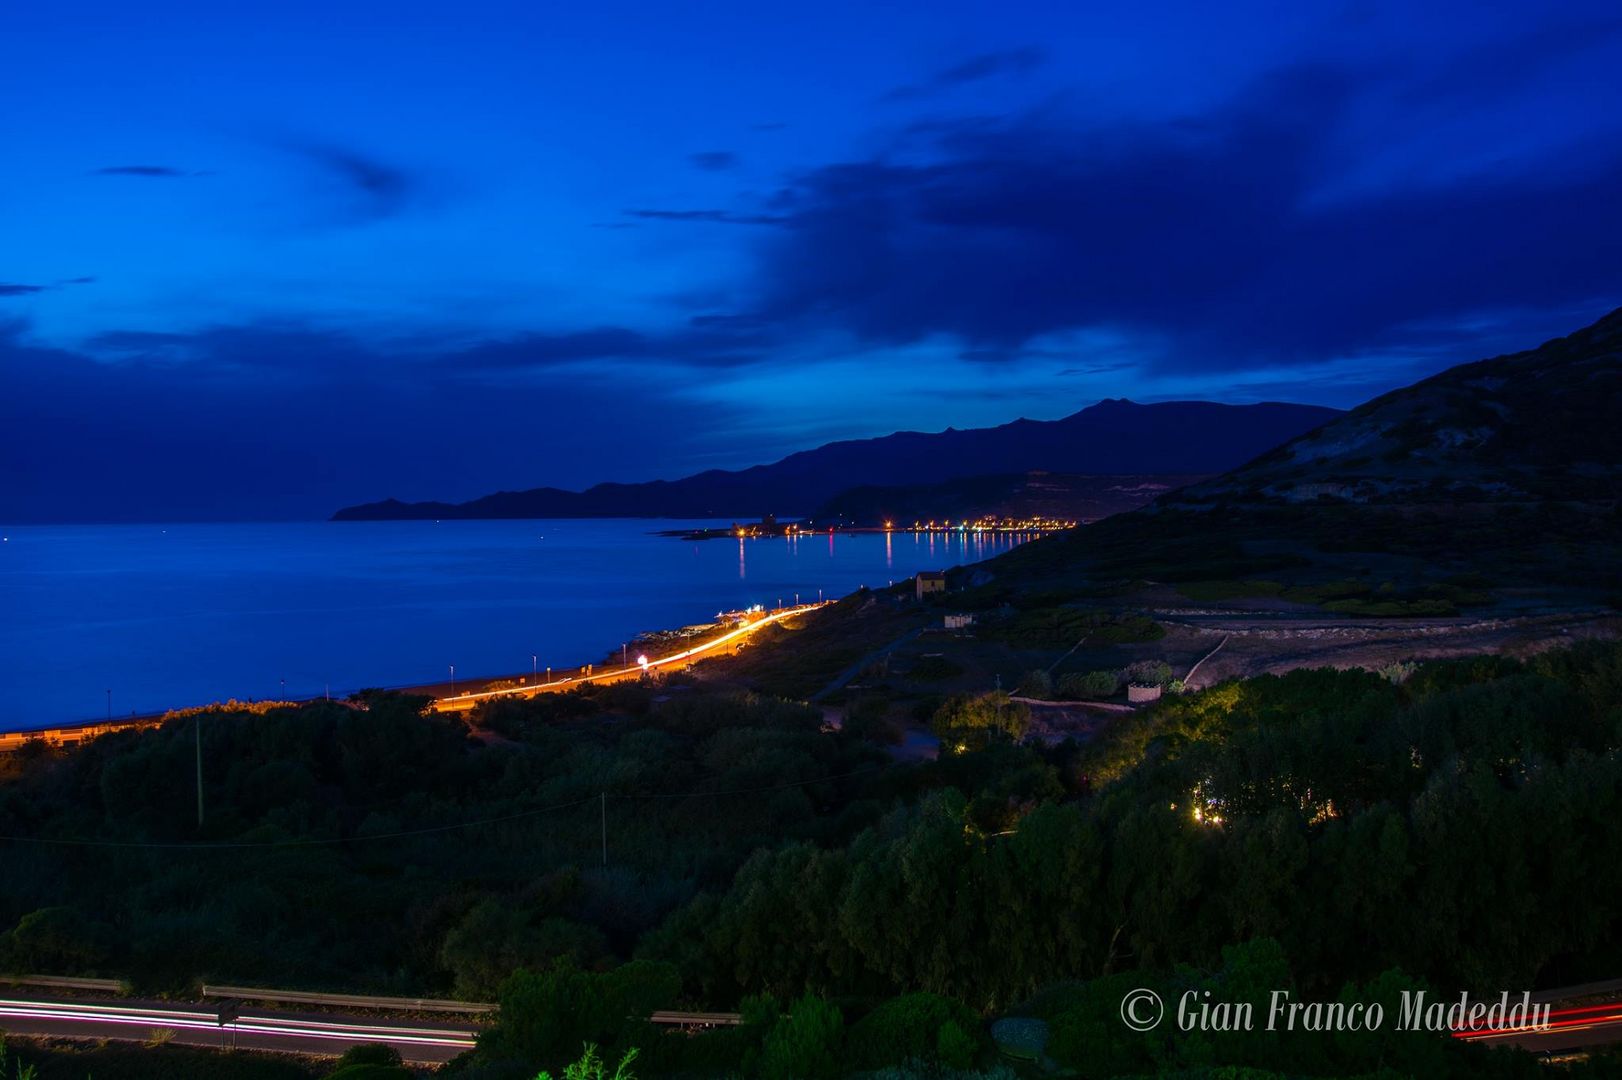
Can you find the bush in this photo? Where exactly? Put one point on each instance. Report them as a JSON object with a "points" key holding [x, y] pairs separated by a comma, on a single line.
{"points": [[1036, 684], [804, 1045], [915, 1027], [979, 720], [371, 1072], [868, 717], [1149, 673], [370, 1054], [1091, 684]]}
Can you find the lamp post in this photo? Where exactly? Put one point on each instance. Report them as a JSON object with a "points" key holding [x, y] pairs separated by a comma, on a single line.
{"points": [[534, 662], [453, 680]]}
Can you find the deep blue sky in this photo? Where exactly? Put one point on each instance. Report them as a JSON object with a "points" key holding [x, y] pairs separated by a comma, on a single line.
{"points": [[264, 260]]}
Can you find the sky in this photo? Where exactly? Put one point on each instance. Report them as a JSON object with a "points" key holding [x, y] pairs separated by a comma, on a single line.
{"points": [[262, 261]]}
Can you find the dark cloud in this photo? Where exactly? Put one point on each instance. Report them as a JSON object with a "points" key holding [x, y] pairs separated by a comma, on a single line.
{"points": [[1208, 233], [984, 66], [20, 289], [723, 217], [290, 421], [156, 172], [720, 341], [714, 160], [374, 189], [542, 350], [126, 341]]}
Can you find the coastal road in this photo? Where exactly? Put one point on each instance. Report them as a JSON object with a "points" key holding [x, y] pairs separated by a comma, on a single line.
{"points": [[1580, 1017], [464, 701], [1569, 1030], [419, 1042]]}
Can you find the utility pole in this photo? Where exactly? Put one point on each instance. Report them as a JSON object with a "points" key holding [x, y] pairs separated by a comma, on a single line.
{"points": [[199, 730], [605, 830]]}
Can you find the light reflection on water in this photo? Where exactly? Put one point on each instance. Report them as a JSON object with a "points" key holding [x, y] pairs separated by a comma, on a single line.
{"points": [[176, 615]]}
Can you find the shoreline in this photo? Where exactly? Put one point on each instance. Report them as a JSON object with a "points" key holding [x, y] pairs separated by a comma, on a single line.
{"points": [[444, 697]]}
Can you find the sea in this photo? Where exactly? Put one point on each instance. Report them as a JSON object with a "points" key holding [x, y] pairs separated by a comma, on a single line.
{"points": [[99, 620]]}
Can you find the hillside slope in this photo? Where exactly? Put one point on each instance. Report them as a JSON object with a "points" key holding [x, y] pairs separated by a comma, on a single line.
{"points": [[1503, 473], [1546, 423]]}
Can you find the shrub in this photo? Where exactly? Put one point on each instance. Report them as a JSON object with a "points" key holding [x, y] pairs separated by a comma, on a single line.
{"points": [[1149, 673], [370, 1054], [371, 1072], [804, 1045], [1036, 684], [915, 1027], [1091, 684]]}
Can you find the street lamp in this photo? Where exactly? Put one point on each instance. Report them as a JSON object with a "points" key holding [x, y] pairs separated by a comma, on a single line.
{"points": [[534, 662], [453, 680]]}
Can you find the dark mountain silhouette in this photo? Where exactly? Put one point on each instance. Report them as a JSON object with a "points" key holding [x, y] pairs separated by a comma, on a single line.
{"points": [[1541, 424], [1111, 437], [1500, 475]]}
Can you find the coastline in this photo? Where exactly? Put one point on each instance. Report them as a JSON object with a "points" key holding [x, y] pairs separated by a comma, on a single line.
{"points": [[462, 696]]}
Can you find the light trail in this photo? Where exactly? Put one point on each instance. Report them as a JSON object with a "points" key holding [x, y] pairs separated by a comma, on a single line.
{"points": [[1584, 1018], [154, 1018], [465, 701]]}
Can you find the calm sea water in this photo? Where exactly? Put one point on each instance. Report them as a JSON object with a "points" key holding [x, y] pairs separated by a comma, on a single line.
{"points": [[167, 616]]}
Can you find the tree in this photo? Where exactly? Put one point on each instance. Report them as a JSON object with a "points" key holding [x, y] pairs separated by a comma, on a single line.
{"points": [[591, 1066], [972, 721], [805, 1044]]}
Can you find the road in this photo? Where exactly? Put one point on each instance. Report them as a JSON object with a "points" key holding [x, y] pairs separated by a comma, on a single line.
{"points": [[418, 1042], [1576, 1022], [460, 702]]}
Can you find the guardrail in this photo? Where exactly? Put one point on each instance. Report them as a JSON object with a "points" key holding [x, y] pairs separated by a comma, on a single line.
{"points": [[347, 1001], [268, 995], [61, 982], [696, 1019], [669, 1017]]}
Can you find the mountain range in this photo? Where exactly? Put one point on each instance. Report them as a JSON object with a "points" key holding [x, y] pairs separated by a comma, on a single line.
{"points": [[1502, 474], [1113, 437]]}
